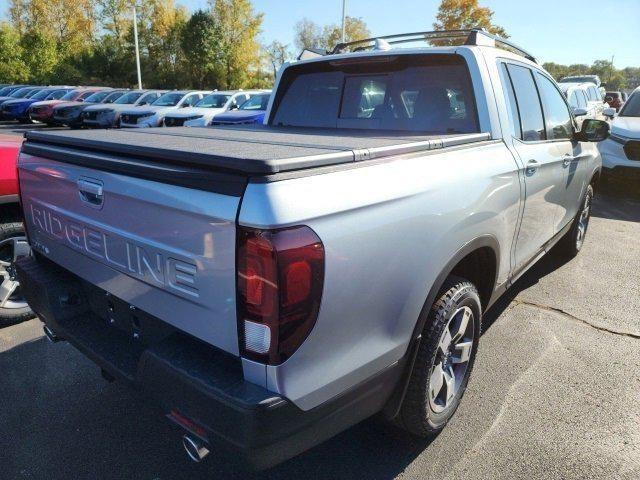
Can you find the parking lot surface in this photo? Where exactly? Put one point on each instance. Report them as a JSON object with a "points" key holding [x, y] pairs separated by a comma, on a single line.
{"points": [[555, 392]]}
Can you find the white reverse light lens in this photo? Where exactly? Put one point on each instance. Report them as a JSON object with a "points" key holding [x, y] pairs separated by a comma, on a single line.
{"points": [[257, 337]]}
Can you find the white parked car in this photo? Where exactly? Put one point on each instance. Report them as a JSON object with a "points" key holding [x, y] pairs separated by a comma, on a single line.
{"points": [[621, 151], [153, 115], [594, 79], [202, 114], [578, 98]]}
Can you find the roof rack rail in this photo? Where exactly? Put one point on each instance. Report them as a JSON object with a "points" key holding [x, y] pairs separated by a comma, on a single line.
{"points": [[473, 36]]}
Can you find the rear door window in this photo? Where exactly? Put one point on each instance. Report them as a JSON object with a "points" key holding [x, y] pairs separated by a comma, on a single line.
{"points": [[556, 113], [573, 99], [582, 99], [416, 93], [529, 108]]}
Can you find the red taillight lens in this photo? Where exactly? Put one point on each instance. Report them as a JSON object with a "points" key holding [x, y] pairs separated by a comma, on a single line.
{"points": [[280, 280]]}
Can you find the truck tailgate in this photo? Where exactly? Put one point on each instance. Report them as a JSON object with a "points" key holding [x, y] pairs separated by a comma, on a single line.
{"points": [[165, 249]]}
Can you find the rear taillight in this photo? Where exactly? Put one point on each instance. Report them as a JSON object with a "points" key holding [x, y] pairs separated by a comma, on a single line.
{"points": [[280, 279]]}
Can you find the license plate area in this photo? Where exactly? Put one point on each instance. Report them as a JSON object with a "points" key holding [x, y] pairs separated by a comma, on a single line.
{"points": [[118, 314]]}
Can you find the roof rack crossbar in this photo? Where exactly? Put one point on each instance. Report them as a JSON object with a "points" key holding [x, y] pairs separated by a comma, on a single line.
{"points": [[474, 36]]}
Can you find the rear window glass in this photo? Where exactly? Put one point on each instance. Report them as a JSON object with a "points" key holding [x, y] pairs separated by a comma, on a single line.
{"points": [[425, 93]]}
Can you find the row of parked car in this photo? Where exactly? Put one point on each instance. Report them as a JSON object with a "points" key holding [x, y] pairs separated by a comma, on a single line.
{"points": [[101, 107], [587, 97]]}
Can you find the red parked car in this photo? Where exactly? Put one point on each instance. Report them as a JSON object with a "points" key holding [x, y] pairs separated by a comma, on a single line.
{"points": [[13, 243], [614, 99], [43, 111]]}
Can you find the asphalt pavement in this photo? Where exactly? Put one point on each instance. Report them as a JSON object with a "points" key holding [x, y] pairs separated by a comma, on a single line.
{"points": [[555, 392]]}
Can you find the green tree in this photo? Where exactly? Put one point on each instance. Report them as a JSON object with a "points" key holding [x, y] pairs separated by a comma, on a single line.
{"points": [[12, 67], [40, 55], [200, 39], [465, 14]]}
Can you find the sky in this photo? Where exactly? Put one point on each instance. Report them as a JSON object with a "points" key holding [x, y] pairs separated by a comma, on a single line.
{"points": [[561, 31]]}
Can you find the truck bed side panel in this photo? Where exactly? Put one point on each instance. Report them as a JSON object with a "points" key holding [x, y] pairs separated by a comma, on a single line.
{"points": [[388, 230]]}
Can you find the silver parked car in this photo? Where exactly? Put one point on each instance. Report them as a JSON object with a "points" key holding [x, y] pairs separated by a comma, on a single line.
{"points": [[108, 116], [272, 285]]}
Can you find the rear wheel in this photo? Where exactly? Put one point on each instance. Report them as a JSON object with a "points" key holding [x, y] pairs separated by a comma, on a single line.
{"points": [[13, 245], [444, 360], [572, 242]]}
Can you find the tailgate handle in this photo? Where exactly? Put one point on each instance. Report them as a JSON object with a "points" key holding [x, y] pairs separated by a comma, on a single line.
{"points": [[91, 192]]}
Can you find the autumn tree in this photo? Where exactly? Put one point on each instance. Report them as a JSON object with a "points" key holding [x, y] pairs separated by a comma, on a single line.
{"points": [[277, 54], [115, 16], [354, 29], [466, 14], [70, 24], [239, 50], [308, 34], [163, 42]]}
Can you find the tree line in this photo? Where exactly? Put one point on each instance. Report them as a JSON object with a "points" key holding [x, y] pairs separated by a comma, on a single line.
{"points": [[91, 42]]}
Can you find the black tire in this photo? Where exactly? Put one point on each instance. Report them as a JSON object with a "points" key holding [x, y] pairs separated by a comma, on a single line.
{"points": [[14, 314], [417, 413], [571, 244]]}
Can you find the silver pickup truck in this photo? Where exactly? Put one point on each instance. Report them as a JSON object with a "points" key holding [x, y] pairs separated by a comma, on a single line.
{"points": [[272, 285]]}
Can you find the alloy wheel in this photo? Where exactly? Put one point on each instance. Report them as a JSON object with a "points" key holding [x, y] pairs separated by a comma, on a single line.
{"points": [[452, 359]]}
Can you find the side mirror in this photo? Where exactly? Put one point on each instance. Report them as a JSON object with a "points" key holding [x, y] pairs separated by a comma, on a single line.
{"points": [[233, 106], [580, 111], [593, 130], [609, 112]]}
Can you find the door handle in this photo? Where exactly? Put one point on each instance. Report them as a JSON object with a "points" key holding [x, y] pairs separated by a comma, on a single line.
{"points": [[566, 160], [532, 167], [90, 192]]}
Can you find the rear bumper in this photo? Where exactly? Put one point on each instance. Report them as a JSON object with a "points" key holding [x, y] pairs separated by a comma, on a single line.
{"points": [[194, 380]]}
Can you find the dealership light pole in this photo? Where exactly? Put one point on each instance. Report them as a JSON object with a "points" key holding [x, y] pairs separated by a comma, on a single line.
{"points": [[344, 10], [135, 39]]}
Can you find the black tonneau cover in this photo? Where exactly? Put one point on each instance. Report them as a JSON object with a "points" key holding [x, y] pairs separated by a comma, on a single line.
{"points": [[247, 150]]}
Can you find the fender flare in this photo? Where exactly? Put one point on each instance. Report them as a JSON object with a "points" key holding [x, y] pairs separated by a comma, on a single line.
{"points": [[392, 408]]}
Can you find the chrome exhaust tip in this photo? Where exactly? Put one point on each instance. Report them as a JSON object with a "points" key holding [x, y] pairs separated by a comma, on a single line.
{"points": [[52, 337], [195, 448]]}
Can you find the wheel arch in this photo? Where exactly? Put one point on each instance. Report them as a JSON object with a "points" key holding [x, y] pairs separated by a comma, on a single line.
{"points": [[481, 251]]}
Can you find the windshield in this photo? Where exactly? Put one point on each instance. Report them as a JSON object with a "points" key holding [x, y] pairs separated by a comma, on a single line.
{"points": [[128, 98], [257, 102], [4, 91], [170, 99], [587, 79], [217, 100], [632, 107], [69, 95], [42, 94], [112, 97], [21, 92], [97, 97], [33, 93], [417, 93]]}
